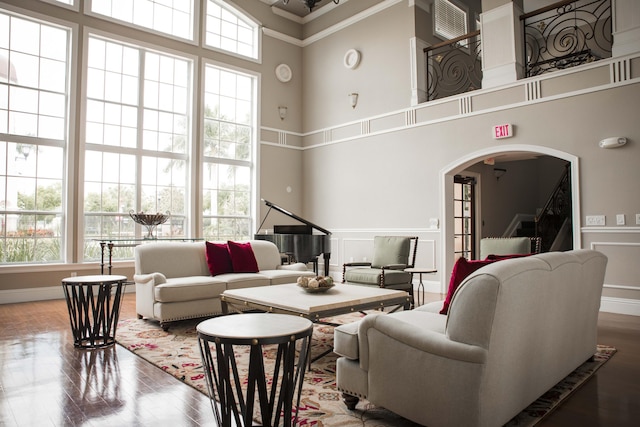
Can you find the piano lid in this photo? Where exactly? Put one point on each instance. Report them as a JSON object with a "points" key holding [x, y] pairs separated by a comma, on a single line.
{"points": [[291, 215]]}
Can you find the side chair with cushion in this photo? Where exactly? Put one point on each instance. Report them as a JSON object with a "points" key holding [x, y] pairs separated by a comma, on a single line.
{"points": [[509, 246], [391, 255]]}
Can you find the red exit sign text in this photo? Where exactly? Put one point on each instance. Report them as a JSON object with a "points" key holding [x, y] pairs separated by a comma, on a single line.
{"points": [[502, 131]]}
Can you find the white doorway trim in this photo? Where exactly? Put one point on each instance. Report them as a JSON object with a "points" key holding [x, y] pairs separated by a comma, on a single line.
{"points": [[446, 196]]}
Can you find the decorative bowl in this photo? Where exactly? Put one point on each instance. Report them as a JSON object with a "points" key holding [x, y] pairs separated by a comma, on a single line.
{"points": [[149, 221], [315, 285], [317, 290]]}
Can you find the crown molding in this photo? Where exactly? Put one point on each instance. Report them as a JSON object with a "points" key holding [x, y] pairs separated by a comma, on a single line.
{"points": [[332, 29]]}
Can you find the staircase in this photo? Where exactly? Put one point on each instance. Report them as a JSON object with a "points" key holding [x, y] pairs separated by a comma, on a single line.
{"points": [[553, 223]]}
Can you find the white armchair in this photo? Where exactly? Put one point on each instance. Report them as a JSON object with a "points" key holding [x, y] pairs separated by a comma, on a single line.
{"points": [[514, 329]]}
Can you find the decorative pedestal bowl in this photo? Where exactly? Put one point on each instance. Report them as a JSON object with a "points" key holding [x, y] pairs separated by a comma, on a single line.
{"points": [[149, 221]]}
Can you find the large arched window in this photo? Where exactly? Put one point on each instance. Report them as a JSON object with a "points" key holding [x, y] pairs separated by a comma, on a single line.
{"points": [[230, 30]]}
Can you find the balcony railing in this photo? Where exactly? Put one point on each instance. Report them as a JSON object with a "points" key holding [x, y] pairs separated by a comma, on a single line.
{"points": [[566, 34], [454, 66]]}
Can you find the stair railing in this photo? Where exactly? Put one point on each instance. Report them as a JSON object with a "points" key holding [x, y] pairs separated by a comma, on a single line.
{"points": [[554, 213]]}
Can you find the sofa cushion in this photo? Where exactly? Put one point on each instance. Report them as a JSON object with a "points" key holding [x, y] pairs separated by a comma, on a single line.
{"points": [[218, 258], [390, 250], [242, 257], [461, 270], [188, 289], [283, 276], [371, 276]]}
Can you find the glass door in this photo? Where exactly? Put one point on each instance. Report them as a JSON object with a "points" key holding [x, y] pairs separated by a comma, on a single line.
{"points": [[464, 216]]}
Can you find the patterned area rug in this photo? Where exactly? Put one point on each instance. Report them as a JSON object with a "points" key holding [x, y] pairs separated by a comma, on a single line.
{"points": [[176, 352]]}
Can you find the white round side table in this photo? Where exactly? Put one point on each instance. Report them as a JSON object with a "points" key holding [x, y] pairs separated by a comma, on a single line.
{"points": [[217, 338]]}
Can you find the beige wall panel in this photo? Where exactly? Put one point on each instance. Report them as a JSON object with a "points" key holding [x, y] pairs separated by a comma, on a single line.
{"points": [[428, 112], [570, 82], [347, 131], [313, 139], [635, 68], [269, 136], [387, 122], [623, 268], [497, 98]]}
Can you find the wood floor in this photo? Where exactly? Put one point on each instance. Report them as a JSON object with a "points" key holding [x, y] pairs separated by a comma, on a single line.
{"points": [[45, 381]]}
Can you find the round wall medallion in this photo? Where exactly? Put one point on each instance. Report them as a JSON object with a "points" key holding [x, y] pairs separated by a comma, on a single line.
{"points": [[351, 59], [283, 73]]}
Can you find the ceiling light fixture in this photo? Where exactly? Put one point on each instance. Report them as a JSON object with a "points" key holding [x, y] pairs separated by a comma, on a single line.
{"points": [[310, 4]]}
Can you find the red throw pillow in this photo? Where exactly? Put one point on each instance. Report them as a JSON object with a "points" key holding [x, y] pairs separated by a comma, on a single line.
{"points": [[461, 270], [218, 258], [242, 257]]}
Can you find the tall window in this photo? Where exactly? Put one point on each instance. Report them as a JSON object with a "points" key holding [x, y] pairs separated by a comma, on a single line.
{"points": [[137, 140], [231, 31], [450, 20], [173, 17], [229, 145], [34, 92]]}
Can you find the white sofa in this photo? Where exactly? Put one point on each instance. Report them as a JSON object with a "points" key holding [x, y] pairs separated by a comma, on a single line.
{"points": [[173, 281], [514, 329]]}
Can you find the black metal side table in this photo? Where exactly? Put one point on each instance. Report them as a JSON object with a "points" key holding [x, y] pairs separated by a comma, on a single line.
{"points": [[94, 306], [217, 338], [420, 271]]}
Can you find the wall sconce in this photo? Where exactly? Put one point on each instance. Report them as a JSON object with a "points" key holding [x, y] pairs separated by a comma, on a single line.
{"points": [[498, 172], [282, 112], [354, 99]]}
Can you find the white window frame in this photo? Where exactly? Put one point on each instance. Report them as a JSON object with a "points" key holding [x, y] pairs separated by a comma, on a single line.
{"points": [[240, 14], [255, 146], [88, 6], [138, 151], [66, 144]]}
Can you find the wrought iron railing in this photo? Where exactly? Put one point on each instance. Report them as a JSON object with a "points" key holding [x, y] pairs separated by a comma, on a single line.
{"points": [[454, 66], [556, 211], [566, 34]]}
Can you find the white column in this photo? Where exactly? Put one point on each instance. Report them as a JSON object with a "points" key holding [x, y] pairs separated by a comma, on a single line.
{"points": [[626, 27], [502, 57]]}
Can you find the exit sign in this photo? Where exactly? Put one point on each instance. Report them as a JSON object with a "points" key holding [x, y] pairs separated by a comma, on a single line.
{"points": [[502, 131]]}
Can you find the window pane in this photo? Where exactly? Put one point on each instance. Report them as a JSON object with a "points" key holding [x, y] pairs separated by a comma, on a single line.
{"points": [[230, 30], [137, 143], [228, 148], [33, 105], [174, 18]]}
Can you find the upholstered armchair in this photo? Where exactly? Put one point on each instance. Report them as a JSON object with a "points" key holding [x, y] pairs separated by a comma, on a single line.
{"points": [[509, 246], [391, 255]]}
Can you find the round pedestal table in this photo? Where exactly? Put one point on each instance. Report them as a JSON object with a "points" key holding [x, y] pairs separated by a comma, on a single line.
{"points": [[274, 391], [94, 306]]}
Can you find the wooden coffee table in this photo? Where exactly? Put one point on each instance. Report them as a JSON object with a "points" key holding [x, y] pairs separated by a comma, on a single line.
{"points": [[291, 299]]}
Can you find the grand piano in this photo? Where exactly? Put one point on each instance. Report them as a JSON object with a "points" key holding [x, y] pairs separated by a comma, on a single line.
{"points": [[298, 241]]}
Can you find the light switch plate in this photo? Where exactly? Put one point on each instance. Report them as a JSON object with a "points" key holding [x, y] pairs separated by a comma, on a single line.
{"points": [[637, 219], [595, 220], [620, 219]]}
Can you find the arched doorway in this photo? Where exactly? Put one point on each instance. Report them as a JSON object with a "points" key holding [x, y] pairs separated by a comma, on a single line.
{"points": [[448, 173]]}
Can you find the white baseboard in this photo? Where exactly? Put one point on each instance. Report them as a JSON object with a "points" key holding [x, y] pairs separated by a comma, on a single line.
{"points": [[620, 306]]}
